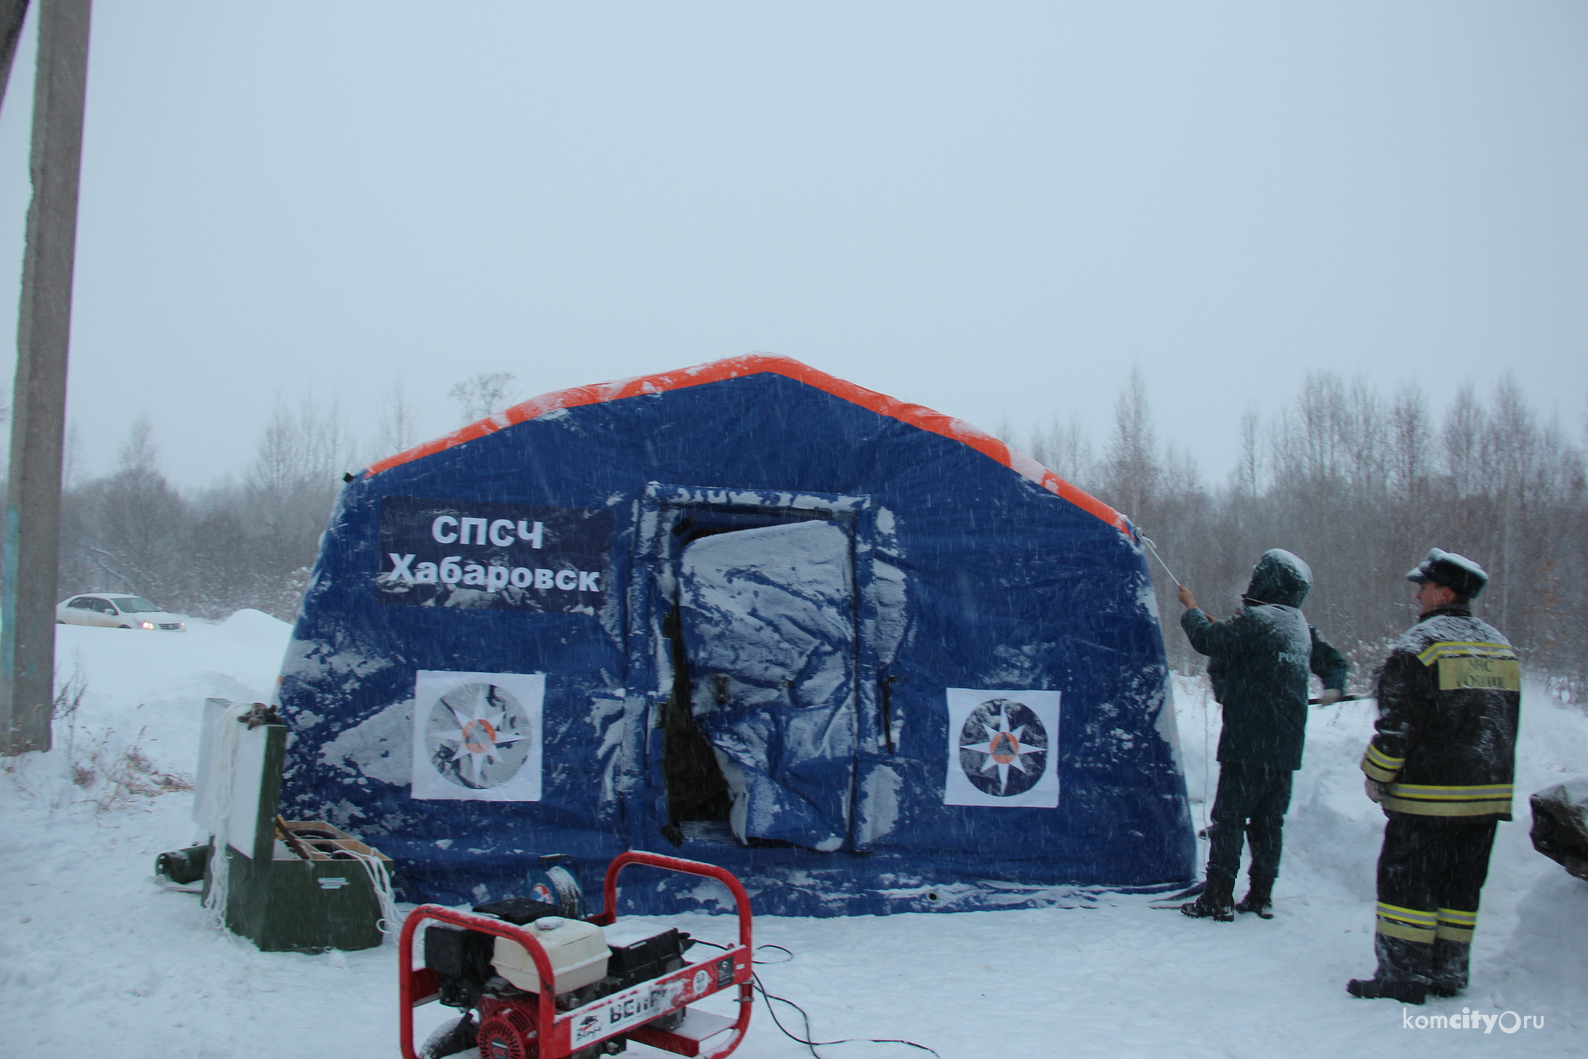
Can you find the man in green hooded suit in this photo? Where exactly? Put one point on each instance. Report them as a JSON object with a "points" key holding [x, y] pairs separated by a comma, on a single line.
{"points": [[1259, 664]]}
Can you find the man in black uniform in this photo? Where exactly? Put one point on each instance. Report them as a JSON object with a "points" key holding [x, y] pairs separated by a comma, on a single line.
{"points": [[1441, 766], [1259, 660]]}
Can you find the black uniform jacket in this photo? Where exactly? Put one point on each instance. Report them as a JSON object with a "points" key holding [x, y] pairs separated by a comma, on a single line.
{"points": [[1448, 699]]}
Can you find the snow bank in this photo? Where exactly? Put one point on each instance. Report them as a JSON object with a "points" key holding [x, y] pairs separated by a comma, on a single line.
{"points": [[154, 683], [95, 956], [1545, 960]]}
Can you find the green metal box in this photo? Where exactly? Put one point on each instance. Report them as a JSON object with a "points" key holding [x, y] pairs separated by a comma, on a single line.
{"points": [[276, 896]]}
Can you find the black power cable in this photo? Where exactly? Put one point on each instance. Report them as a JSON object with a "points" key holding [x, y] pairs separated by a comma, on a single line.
{"points": [[804, 1015]]}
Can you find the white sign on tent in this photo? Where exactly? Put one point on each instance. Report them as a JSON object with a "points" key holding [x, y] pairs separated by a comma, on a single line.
{"points": [[1002, 748], [477, 736]]}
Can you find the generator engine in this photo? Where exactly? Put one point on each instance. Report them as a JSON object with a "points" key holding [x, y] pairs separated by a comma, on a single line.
{"points": [[494, 982]]}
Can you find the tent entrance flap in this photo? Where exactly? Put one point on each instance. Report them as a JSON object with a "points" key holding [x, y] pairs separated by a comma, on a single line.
{"points": [[758, 610], [767, 623]]}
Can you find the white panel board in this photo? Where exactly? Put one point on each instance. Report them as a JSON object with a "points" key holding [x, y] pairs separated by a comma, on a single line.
{"points": [[477, 736], [1003, 748]]}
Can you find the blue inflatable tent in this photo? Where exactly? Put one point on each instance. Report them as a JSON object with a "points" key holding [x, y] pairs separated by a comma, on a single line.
{"points": [[861, 654]]}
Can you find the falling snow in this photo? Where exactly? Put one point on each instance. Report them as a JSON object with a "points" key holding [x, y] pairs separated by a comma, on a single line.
{"points": [[1103, 975]]}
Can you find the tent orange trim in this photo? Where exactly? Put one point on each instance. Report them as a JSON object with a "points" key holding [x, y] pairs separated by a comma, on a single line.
{"points": [[756, 363]]}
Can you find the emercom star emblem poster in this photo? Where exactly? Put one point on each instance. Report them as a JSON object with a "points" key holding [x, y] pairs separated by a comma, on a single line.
{"points": [[477, 736], [1003, 748]]}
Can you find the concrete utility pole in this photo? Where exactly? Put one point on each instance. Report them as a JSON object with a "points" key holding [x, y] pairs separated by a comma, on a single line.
{"points": [[32, 543]]}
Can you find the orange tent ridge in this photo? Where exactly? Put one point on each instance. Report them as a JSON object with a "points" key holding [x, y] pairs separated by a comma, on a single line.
{"points": [[756, 363]]}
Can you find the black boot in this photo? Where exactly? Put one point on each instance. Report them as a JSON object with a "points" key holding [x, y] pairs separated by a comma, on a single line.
{"points": [[1259, 897], [1402, 973], [1217, 902], [1449, 975], [1387, 989]]}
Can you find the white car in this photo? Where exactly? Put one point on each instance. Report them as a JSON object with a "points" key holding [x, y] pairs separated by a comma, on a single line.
{"points": [[114, 610]]}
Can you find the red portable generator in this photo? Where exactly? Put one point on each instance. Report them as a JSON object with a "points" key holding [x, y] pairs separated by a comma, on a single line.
{"points": [[533, 984]]}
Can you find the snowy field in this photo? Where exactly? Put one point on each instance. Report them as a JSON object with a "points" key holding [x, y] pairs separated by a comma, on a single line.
{"points": [[97, 959]]}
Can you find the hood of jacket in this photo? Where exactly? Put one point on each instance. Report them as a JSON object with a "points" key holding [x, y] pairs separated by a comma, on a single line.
{"points": [[1280, 577]]}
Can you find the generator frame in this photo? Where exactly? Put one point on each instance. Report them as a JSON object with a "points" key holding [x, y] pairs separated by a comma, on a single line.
{"points": [[625, 1012]]}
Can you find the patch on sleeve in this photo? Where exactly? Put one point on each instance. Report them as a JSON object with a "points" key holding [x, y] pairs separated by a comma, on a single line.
{"points": [[1493, 674]]}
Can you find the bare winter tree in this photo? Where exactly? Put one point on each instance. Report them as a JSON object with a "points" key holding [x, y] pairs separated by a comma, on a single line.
{"points": [[398, 424], [128, 527], [1411, 442], [1361, 488], [1462, 438], [223, 555], [484, 394], [1248, 475], [289, 489], [1066, 450], [1162, 493], [1131, 471]]}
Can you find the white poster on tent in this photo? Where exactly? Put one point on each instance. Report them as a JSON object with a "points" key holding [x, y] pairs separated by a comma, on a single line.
{"points": [[1003, 748], [477, 736]]}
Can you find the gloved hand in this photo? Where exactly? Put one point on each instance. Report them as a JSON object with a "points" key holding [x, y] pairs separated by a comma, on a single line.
{"points": [[1375, 789], [1329, 697]]}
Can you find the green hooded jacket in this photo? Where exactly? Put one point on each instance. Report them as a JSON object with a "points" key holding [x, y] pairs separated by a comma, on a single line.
{"points": [[1260, 660]]}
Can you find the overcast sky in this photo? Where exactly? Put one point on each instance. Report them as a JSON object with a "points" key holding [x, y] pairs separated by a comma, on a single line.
{"points": [[991, 208]]}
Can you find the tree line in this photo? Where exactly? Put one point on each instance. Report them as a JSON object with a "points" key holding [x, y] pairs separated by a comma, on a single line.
{"points": [[1358, 483], [214, 551], [244, 543]]}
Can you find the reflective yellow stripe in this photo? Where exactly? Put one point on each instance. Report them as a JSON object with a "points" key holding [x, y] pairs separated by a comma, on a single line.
{"points": [[1426, 935], [1376, 773], [1419, 807], [1378, 765], [1383, 760], [1455, 925], [1445, 648], [1410, 915], [1452, 792]]}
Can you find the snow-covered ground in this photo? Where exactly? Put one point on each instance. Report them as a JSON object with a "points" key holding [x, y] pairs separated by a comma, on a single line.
{"points": [[97, 959]]}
